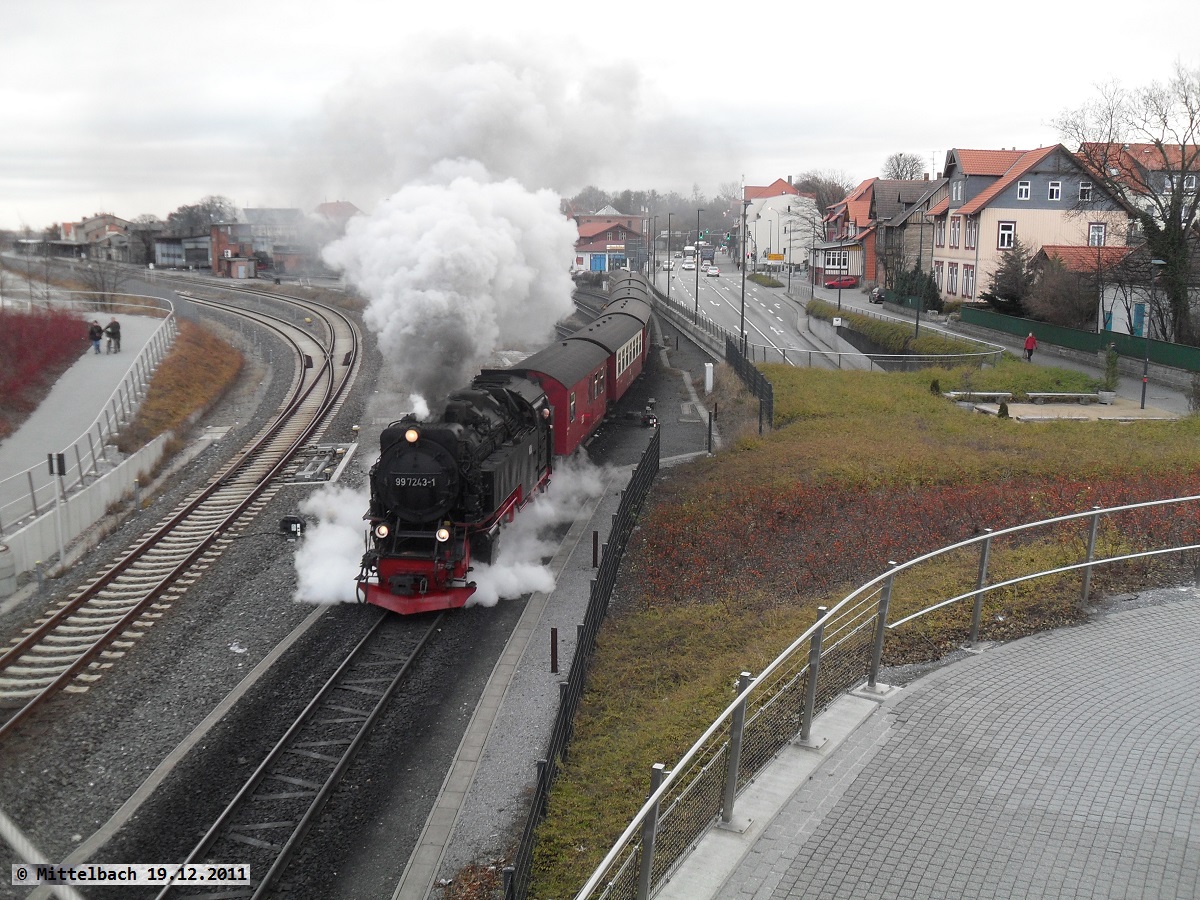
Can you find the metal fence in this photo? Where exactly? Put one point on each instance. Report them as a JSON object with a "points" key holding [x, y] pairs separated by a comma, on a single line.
{"points": [[1165, 353], [756, 383], [27, 494], [808, 357], [517, 876], [844, 649]]}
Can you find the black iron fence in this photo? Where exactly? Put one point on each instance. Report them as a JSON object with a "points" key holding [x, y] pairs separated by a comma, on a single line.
{"points": [[517, 876], [756, 383]]}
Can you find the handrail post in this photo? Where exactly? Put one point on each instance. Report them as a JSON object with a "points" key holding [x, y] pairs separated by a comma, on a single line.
{"points": [[733, 761], [1091, 554], [649, 832], [814, 668], [32, 491], [885, 600], [977, 605]]}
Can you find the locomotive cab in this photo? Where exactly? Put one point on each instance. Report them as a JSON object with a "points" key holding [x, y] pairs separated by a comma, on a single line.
{"points": [[441, 489]]}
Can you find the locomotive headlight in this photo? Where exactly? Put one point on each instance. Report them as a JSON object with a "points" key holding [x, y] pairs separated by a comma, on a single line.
{"points": [[411, 435], [442, 534], [382, 531]]}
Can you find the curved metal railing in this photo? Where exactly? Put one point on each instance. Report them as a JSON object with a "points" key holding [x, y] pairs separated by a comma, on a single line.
{"points": [[842, 650], [26, 494]]}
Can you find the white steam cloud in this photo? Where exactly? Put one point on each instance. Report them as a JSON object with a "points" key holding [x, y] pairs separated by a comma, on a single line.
{"points": [[471, 253], [518, 568], [535, 114], [453, 267], [327, 561], [328, 558]]}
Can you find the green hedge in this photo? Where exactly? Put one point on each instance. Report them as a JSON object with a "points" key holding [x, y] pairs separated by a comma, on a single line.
{"points": [[893, 337]]}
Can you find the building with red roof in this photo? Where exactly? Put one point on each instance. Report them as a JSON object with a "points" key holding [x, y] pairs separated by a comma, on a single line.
{"points": [[995, 198], [876, 230], [607, 241], [782, 224]]}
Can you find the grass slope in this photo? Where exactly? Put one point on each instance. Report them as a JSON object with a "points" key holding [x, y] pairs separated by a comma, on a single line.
{"points": [[735, 553]]}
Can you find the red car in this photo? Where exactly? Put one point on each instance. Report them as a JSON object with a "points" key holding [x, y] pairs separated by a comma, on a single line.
{"points": [[842, 281]]}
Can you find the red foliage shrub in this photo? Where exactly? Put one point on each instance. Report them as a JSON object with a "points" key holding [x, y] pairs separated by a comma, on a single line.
{"points": [[818, 536], [35, 348]]}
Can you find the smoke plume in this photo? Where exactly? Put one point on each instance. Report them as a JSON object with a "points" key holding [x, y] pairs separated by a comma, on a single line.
{"points": [[452, 268]]}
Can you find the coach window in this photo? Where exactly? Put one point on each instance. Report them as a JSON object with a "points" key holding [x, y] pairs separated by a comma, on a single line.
{"points": [[572, 409]]}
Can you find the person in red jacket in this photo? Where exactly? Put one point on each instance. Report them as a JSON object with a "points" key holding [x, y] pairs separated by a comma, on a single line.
{"points": [[1030, 346]]}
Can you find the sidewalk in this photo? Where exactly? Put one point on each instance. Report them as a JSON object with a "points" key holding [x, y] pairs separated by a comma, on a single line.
{"points": [[70, 408], [1059, 765]]}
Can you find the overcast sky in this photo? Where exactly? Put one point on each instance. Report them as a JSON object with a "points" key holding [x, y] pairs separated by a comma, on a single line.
{"points": [[141, 107]]}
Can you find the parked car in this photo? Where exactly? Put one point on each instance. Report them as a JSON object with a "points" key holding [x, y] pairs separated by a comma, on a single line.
{"points": [[842, 281], [688, 264], [713, 272]]}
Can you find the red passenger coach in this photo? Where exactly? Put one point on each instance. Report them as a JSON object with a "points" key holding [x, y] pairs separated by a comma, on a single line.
{"points": [[624, 340], [573, 375]]}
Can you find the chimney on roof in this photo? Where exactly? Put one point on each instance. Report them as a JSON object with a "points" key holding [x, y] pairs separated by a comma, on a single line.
{"points": [[925, 175], [789, 179]]}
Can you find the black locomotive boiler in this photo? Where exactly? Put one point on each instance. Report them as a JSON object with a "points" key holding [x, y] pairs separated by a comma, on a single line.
{"points": [[442, 488]]}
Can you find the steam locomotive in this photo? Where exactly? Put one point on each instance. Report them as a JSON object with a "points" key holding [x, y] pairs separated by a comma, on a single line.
{"points": [[443, 488]]}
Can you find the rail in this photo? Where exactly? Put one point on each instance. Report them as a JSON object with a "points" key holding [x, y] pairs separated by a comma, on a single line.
{"points": [[29, 493], [844, 649]]}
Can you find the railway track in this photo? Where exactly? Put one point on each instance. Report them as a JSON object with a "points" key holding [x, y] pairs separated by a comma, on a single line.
{"points": [[266, 821], [70, 646]]}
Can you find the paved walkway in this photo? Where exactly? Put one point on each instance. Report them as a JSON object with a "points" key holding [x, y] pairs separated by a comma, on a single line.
{"points": [[71, 407], [1060, 765]]}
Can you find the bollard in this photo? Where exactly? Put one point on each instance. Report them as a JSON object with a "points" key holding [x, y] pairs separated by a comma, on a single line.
{"points": [[595, 549], [554, 650], [37, 571]]}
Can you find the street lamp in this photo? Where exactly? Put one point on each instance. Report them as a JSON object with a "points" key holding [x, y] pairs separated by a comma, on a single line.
{"points": [[742, 327], [670, 259], [654, 247], [696, 316], [812, 262], [1155, 266]]}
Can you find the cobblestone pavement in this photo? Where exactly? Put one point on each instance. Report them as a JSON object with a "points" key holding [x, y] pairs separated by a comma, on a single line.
{"points": [[1060, 765]]}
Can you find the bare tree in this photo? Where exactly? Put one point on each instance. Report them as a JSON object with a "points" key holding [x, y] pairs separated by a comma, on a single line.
{"points": [[200, 217], [1143, 145], [904, 166], [828, 186], [105, 280], [590, 199], [1062, 297], [142, 232]]}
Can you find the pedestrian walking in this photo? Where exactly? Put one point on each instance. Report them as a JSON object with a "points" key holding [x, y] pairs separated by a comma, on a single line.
{"points": [[95, 332], [114, 336], [1030, 346]]}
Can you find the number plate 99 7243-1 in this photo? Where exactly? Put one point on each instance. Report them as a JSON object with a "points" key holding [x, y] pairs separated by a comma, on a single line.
{"points": [[415, 481]]}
